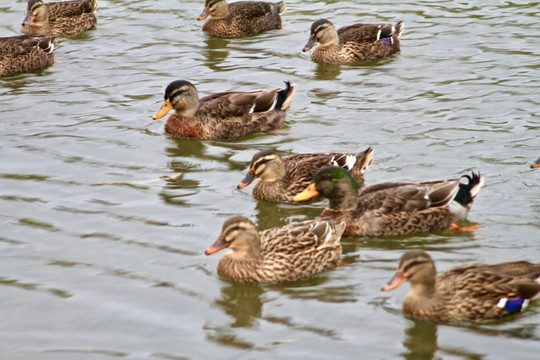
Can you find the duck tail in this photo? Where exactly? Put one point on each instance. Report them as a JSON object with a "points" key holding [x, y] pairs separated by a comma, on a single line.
{"points": [[90, 6], [285, 96], [399, 27], [467, 192], [280, 7]]}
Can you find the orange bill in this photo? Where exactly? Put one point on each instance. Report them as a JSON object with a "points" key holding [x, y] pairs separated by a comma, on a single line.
{"points": [[165, 108], [310, 193], [247, 180], [204, 14], [398, 279], [220, 244]]}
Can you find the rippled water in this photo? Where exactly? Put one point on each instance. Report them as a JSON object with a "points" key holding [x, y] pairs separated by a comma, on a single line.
{"points": [[101, 260]]}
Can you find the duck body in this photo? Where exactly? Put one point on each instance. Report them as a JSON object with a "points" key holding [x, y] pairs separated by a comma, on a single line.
{"points": [[467, 293], [278, 255], [25, 53], [354, 44], [393, 208], [62, 18], [281, 179], [225, 115], [242, 18]]}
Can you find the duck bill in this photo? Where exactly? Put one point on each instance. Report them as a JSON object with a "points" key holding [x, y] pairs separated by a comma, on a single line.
{"points": [[398, 279], [310, 193], [250, 177], [204, 14], [165, 108], [536, 164], [309, 44], [220, 244], [28, 19]]}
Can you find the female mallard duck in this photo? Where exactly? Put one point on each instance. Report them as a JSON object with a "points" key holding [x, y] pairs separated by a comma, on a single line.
{"points": [[225, 115], [62, 18], [278, 255], [283, 179], [536, 164], [393, 208], [25, 53], [243, 18], [464, 293], [354, 44]]}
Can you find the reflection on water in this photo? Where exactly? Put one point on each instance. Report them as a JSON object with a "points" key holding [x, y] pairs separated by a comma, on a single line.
{"points": [[215, 52], [420, 340], [242, 302]]}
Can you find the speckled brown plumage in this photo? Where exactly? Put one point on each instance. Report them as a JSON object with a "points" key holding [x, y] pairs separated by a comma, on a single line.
{"points": [[282, 179], [225, 115], [278, 255], [393, 208], [62, 18], [25, 53], [354, 44], [243, 18], [464, 293]]}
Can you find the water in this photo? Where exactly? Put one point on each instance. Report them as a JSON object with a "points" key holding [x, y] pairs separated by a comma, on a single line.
{"points": [[101, 260]]}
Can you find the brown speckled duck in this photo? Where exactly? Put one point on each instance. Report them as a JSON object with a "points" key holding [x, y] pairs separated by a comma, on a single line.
{"points": [[282, 179], [62, 18], [242, 18], [393, 208], [471, 293], [225, 115], [354, 44], [25, 53], [278, 255]]}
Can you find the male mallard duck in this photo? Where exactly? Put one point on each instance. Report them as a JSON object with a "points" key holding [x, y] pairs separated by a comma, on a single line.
{"points": [[25, 53], [62, 18], [464, 293], [283, 179], [536, 164], [278, 255], [243, 18], [354, 44], [393, 208], [225, 115]]}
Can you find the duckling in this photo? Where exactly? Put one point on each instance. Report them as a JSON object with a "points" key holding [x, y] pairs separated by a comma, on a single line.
{"points": [[25, 53], [393, 208], [283, 179], [354, 44], [280, 255], [242, 18], [225, 115], [62, 18], [472, 293]]}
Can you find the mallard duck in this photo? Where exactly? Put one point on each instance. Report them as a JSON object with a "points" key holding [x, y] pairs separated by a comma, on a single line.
{"points": [[62, 18], [393, 208], [536, 164], [242, 18], [354, 44], [25, 53], [283, 179], [225, 115], [464, 293], [278, 255]]}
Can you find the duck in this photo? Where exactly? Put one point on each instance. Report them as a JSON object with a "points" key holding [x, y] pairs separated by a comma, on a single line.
{"points": [[354, 44], [61, 18], [281, 179], [25, 53], [535, 164], [240, 19], [389, 209], [225, 115], [465, 293], [279, 255]]}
